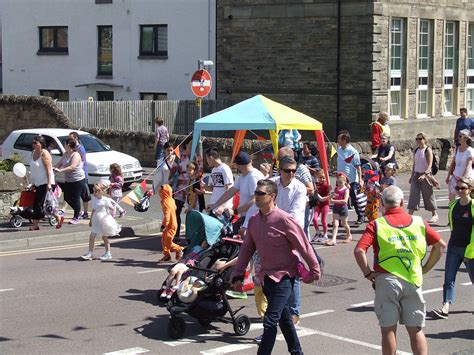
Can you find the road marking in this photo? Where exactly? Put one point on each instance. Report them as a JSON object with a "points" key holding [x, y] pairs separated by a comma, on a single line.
{"points": [[325, 311], [228, 349], [130, 351], [300, 331], [466, 283], [432, 290], [353, 341], [355, 305], [443, 230], [149, 271], [7, 289]]}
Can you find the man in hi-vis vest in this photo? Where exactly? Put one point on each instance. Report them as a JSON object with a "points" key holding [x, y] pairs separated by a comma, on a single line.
{"points": [[400, 243]]}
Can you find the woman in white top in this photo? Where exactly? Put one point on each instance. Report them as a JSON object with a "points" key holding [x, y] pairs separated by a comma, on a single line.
{"points": [[42, 177], [421, 180], [461, 165]]}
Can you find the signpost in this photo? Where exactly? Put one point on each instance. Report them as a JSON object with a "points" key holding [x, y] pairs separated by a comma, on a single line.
{"points": [[201, 85]]}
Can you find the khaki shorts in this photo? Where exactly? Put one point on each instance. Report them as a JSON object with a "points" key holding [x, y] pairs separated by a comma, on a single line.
{"points": [[397, 301]]}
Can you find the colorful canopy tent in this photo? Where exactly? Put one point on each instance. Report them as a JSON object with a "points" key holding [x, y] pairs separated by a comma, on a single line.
{"points": [[260, 113]]}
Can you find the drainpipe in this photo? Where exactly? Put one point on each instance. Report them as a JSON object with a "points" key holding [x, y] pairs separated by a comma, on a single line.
{"points": [[338, 69]]}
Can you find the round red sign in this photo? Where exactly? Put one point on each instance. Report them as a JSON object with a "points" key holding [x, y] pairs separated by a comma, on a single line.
{"points": [[201, 83]]}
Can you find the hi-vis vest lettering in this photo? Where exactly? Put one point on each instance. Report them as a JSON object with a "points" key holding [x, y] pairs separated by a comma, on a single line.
{"points": [[469, 253], [385, 127], [402, 249]]}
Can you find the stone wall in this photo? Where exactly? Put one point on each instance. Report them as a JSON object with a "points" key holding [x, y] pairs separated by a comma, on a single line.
{"points": [[10, 187]]}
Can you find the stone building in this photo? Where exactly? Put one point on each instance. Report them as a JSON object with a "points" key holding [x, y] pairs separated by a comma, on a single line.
{"points": [[342, 61]]}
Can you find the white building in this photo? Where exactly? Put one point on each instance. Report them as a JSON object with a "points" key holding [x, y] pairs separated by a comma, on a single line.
{"points": [[105, 49]]}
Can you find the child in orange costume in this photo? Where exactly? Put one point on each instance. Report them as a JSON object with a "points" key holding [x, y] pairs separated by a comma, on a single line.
{"points": [[169, 224]]}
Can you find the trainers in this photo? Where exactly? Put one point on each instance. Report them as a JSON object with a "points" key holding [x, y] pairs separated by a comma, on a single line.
{"points": [[106, 256], [83, 215], [169, 293], [258, 338], [316, 237], [74, 221], [87, 256], [439, 314], [163, 294], [122, 213], [324, 238]]}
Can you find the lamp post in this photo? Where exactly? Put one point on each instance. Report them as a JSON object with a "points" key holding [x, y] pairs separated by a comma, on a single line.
{"points": [[202, 64]]}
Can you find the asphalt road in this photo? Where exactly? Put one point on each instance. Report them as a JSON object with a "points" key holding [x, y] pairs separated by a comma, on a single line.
{"points": [[52, 302]]}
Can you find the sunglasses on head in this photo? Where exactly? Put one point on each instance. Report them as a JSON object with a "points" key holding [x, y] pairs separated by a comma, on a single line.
{"points": [[289, 170], [460, 188], [260, 193]]}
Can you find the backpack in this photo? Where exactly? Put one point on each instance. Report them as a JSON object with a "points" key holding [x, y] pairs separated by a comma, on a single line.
{"points": [[434, 165]]}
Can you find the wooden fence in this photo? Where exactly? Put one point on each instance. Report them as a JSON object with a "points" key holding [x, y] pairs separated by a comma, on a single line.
{"points": [[140, 115]]}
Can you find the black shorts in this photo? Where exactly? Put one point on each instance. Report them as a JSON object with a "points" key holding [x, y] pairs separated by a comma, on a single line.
{"points": [[85, 194]]}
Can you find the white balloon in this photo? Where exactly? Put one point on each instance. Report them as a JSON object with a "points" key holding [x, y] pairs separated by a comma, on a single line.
{"points": [[19, 169]]}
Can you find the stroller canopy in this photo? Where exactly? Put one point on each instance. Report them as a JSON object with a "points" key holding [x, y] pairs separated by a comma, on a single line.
{"points": [[200, 227]]}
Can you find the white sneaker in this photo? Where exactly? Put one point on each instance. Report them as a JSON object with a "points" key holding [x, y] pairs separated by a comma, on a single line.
{"points": [[87, 256], [106, 256], [323, 239], [316, 237]]}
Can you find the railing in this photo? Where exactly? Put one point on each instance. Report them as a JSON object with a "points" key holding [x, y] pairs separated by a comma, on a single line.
{"points": [[139, 116]]}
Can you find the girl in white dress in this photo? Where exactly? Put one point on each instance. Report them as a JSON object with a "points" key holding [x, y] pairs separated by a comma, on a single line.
{"points": [[102, 221]]}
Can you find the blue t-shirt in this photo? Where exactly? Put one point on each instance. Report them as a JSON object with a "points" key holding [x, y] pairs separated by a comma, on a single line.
{"points": [[464, 123], [347, 161]]}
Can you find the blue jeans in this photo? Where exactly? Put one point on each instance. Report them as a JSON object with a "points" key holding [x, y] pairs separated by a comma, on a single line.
{"points": [[159, 151], [295, 298], [308, 217], [454, 258], [278, 313]]}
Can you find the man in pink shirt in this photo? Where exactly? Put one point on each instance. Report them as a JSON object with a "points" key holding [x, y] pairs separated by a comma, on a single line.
{"points": [[278, 239]]}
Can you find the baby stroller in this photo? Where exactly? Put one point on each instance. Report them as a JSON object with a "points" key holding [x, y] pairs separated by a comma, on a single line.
{"points": [[23, 209], [202, 293]]}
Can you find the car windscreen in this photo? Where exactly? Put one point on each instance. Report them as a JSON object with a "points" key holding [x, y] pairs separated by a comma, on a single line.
{"points": [[91, 143]]}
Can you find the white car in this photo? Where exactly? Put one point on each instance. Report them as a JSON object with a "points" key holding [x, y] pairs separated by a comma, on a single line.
{"points": [[99, 155]]}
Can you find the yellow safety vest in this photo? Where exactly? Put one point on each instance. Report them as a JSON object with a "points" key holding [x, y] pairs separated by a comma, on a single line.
{"points": [[385, 127], [469, 253], [402, 249]]}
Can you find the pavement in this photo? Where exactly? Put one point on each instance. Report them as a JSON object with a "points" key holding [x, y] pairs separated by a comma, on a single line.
{"points": [[133, 224]]}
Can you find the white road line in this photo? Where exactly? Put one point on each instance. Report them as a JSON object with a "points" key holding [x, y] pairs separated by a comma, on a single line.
{"points": [[466, 283], [7, 289], [228, 349], [443, 230], [130, 351], [355, 305], [302, 332], [432, 290], [325, 311], [149, 271], [353, 341]]}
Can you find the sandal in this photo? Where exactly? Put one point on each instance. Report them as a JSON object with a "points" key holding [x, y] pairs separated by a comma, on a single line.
{"points": [[165, 258], [331, 243], [347, 240]]}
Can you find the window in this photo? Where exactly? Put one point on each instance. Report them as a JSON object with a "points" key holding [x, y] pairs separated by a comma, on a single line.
{"points": [[470, 70], [60, 95], [103, 1], [449, 66], [154, 40], [25, 142], [105, 52], [105, 96], [396, 66], [153, 96], [53, 40], [424, 51]]}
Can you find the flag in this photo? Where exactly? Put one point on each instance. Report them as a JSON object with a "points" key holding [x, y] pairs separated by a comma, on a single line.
{"points": [[177, 153], [136, 194], [333, 151], [349, 159]]}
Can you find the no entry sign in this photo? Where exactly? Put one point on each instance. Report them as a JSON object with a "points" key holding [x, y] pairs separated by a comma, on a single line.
{"points": [[201, 83]]}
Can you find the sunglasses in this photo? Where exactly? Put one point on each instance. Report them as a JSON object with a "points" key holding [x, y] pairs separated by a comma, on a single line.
{"points": [[289, 170], [460, 188], [261, 193], [419, 139]]}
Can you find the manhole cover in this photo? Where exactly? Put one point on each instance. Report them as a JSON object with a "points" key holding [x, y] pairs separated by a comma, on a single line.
{"points": [[332, 280]]}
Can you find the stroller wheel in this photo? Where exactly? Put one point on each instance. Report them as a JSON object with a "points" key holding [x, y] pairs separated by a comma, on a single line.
{"points": [[52, 221], [176, 327], [16, 221], [204, 321], [241, 324]]}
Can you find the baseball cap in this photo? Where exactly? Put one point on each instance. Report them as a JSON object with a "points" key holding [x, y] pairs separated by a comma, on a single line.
{"points": [[242, 158]]}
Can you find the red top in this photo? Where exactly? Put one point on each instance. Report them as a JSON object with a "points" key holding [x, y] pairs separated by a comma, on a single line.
{"points": [[323, 190], [375, 133], [396, 217]]}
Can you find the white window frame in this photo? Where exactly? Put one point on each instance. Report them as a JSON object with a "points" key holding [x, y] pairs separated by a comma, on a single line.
{"points": [[470, 70], [396, 73], [423, 73], [449, 72]]}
